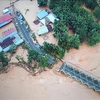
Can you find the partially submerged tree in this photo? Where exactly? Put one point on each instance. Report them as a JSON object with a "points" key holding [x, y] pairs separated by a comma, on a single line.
{"points": [[3, 59]]}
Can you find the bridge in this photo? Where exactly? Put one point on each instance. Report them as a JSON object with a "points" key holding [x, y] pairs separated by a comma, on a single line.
{"points": [[81, 75]]}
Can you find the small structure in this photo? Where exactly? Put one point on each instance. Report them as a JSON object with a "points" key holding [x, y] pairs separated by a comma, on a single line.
{"points": [[36, 21], [6, 11], [44, 30], [41, 14], [52, 17], [5, 19]]}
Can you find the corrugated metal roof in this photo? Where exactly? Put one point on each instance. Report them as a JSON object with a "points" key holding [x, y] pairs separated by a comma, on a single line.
{"points": [[9, 31], [42, 14], [42, 30], [52, 17]]}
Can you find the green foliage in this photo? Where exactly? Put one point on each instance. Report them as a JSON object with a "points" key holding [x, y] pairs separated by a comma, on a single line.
{"points": [[97, 13], [74, 41], [94, 39], [63, 40], [3, 59], [53, 50], [43, 59], [42, 2], [13, 48], [94, 34]]}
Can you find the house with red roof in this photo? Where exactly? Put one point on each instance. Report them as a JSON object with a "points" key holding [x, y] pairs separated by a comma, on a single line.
{"points": [[5, 19]]}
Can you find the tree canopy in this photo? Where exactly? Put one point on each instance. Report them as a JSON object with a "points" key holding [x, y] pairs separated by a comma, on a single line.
{"points": [[73, 15]]}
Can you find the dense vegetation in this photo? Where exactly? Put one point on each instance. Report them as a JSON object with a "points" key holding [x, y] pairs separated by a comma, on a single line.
{"points": [[79, 20], [41, 58]]}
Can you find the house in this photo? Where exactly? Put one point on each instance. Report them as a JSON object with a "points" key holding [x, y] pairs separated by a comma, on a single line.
{"points": [[9, 39], [41, 14], [49, 19], [5, 19], [44, 30]]}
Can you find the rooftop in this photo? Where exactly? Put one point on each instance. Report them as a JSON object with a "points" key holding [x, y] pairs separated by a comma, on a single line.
{"points": [[41, 14]]}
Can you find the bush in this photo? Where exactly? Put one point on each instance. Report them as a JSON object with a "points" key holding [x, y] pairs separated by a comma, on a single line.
{"points": [[94, 39], [92, 4]]}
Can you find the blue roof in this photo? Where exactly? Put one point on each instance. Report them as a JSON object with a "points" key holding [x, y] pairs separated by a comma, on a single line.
{"points": [[19, 42], [12, 34], [21, 17], [42, 30], [7, 49], [4, 23], [42, 14], [0, 49]]}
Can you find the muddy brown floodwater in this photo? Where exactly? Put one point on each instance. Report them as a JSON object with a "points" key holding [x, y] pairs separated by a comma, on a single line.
{"points": [[18, 84]]}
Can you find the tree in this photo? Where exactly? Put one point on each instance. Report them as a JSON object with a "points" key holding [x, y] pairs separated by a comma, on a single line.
{"points": [[13, 48], [42, 2], [43, 59], [93, 33], [3, 59], [97, 13], [94, 39]]}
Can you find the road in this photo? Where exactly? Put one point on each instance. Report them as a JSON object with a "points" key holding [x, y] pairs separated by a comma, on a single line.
{"points": [[26, 35]]}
